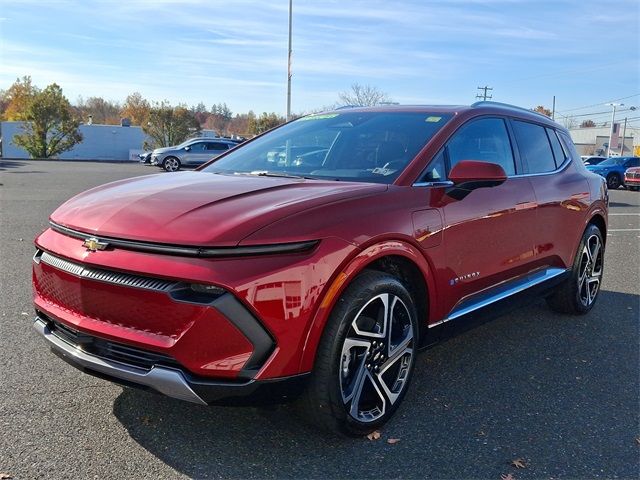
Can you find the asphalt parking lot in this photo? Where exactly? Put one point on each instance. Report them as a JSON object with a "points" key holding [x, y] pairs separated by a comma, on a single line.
{"points": [[560, 393]]}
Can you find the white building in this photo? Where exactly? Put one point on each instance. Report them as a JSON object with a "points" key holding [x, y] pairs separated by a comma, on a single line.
{"points": [[594, 140]]}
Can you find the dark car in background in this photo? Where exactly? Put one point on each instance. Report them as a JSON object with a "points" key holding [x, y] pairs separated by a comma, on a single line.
{"points": [[193, 152], [612, 169]]}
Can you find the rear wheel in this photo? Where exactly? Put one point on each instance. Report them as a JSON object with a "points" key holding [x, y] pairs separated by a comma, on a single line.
{"points": [[613, 181], [578, 293], [365, 358], [171, 164]]}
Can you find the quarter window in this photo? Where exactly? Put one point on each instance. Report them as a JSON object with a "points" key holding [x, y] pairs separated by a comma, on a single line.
{"points": [[534, 146], [436, 171], [486, 140], [558, 152]]}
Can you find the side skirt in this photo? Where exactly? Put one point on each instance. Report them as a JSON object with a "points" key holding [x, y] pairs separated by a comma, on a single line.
{"points": [[494, 302]]}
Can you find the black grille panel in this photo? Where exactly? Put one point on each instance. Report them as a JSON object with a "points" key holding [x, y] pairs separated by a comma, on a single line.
{"points": [[117, 352]]}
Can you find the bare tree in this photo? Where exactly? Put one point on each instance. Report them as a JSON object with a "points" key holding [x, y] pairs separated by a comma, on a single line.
{"points": [[362, 96]]}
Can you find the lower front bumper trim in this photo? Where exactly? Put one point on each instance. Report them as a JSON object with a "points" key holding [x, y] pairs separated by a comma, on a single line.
{"points": [[164, 380]]}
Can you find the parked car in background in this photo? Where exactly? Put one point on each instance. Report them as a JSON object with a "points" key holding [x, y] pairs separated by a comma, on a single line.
{"points": [[591, 160], [145, 158], [613, 168], [259, 278], [632, 178], [193, 152]]}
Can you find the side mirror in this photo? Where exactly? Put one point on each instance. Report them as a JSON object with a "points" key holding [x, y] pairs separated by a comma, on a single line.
{"points": [[187, 148], [471, 174]]}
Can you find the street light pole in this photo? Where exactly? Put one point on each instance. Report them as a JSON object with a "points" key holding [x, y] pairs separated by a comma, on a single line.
{"points": [[613, 119], [289, 65]]}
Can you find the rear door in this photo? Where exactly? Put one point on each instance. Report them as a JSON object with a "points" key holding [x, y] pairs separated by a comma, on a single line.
{"points": [[214, 149], [561, 192]]}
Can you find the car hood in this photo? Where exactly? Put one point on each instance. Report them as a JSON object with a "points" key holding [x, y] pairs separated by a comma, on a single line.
{"points": [[163, 150], [198, 208]]}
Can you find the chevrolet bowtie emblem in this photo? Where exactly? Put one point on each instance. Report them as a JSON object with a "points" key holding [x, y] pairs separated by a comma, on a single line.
{"points": [[93, 244]]}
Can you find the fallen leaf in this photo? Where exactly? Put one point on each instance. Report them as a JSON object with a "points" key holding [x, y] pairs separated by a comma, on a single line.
{"points": [[5, 476], [507, 476], [375, 435], [145, 419], [638, 440], [393, 441], [24, 313], [481, 433], [519, 463]]}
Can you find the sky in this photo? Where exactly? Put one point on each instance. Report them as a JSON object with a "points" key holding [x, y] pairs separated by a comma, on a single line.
{"points": [[417, 51]]}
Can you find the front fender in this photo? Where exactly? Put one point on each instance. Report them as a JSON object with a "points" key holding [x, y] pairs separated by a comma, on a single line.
{"points": [[344, 277]]}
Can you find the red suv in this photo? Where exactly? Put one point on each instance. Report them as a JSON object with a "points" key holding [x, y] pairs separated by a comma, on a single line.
{"points": [[318, 258]]}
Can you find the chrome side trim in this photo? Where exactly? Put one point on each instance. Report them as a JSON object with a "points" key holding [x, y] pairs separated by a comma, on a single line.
{"points": [[500, 292], [117, 278], [164, 380], [195, 251], [443, 183]]}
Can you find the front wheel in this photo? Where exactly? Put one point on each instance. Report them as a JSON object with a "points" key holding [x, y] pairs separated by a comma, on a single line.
{"points": [[365, 358], [578, 293], [613, 181], [171, 164]]}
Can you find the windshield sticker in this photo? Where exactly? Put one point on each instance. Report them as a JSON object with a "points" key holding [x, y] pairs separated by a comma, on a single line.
{"points": [[318, 117], [433, 119]]}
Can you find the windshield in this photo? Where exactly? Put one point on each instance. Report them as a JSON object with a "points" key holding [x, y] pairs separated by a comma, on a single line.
{"points": [[353, 146]]}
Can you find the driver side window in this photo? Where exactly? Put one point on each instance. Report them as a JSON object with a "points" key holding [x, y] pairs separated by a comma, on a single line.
{"points": [[485, 140]]}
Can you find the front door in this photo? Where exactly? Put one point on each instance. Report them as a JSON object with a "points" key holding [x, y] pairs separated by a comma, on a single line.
{"points": [[488, 234]]}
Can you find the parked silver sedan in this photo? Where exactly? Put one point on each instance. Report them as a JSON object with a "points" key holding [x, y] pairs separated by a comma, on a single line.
{"points": [[193, 152]]}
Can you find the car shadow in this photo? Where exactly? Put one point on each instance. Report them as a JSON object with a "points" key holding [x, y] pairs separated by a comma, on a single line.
{"points": [[7, 164], [531, 384]]}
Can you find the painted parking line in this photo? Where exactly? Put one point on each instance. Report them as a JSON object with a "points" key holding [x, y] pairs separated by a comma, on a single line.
{"points": [[625, 214], [624, 230]]}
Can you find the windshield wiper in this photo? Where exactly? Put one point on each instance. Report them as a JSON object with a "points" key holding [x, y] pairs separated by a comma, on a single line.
{"points": [[267, 173]]}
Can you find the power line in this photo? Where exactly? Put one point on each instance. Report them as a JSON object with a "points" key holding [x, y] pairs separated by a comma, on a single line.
{"points": [[484, 96], [599, 104]]}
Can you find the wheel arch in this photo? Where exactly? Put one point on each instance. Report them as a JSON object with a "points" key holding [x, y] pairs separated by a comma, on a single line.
{"points": [[392, 256]]}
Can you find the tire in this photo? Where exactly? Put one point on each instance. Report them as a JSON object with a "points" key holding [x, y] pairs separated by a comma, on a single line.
{"points": [[363, 368], [578, 293], [171, 164], [613, 181]]}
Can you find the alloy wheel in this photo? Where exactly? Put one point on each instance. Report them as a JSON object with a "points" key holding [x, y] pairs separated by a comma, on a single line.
{"points": [[171, 165], [376, 357], [590, 271]]}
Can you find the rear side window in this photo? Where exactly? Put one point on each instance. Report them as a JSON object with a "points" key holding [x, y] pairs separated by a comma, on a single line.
{"points": [[217, 146], [634, 162], [558, 152], [486, 140], [534, 146]]}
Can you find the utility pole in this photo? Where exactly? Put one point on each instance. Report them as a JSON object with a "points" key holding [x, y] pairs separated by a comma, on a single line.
{"points": [[289, 65], [624, 133], [484, 96], [613, 119], [553, 109]]}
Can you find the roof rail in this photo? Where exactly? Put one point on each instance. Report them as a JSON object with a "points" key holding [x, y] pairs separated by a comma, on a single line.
{"points": [[486, 103]]}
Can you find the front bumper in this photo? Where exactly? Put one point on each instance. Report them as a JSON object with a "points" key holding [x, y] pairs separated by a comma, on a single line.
{"points": [[171, 381]]}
